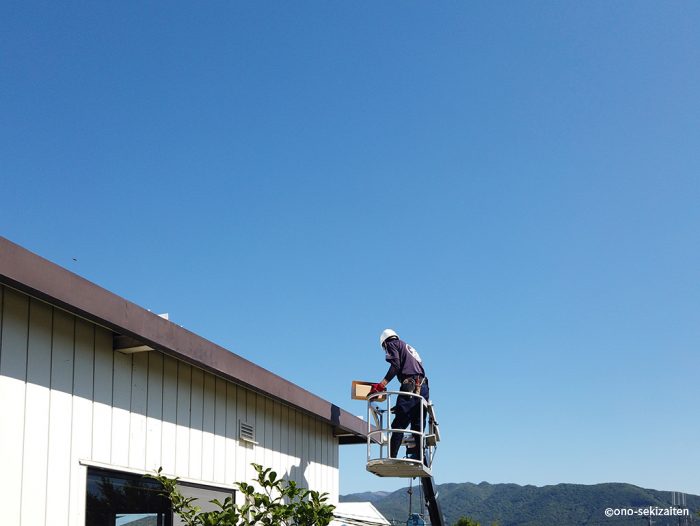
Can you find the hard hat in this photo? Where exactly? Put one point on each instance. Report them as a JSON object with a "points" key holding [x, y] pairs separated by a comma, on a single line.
{"points": [[385, 335]]}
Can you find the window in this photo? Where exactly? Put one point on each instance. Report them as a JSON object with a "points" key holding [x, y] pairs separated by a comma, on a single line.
{"points": [[203, 494], [124, 499]]}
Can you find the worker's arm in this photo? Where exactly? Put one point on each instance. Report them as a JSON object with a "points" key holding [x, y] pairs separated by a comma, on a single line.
{"points": [[381, 386], [392, 356], [389, 376]]}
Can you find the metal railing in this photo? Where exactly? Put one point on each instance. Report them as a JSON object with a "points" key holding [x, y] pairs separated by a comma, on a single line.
{"points": [[378, 413]]}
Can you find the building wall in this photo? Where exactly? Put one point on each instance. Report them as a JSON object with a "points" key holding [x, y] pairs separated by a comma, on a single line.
{"points": [[67, 397]]}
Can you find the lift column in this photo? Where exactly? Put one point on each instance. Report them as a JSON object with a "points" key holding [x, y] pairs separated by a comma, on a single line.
{"points": [[431, 501]]}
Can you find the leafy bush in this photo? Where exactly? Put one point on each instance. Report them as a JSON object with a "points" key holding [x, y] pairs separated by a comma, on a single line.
{"points": [[279, 503]]}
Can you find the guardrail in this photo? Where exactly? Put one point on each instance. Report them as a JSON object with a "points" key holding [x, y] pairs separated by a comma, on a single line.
{"points": [[379, 411]]}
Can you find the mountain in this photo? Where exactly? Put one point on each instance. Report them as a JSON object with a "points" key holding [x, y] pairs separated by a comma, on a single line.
{"points": [[367, 496], [514, 505]]}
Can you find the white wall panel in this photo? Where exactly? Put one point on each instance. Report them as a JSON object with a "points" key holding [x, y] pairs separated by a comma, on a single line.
{"points": [[74, 399], [239, 450], [284, 440], [219, 458], [291, 444], [208, 415], [169, 435], [60, 418], [307, 479], [81, 428], [301, 452], [196, 419], [36, 420], [154, 411], [250, 450], [121, 409], [137, 410], [265, 409], [182, 433], [102, 405], [276, 445], [13, 362]]}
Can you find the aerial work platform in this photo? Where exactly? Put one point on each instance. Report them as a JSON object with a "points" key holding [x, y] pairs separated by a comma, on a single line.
{"points": [[379, 431], [379, 409], [398, 467]]}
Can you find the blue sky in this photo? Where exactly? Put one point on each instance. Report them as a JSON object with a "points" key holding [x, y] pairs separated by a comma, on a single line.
{"points": [[512, 186]]}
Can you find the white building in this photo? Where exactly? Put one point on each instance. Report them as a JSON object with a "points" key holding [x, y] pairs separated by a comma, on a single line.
{"points": [[358, 514], [96, 391]]}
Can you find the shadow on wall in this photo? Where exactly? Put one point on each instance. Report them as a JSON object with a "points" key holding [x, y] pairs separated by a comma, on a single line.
{"points": [[297, 473], [335, 415]]}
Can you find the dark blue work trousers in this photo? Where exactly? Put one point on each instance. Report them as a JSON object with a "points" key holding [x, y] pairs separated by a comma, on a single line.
{"points": [[407, 411]]}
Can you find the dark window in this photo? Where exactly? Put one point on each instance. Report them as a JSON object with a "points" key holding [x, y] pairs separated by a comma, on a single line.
{"points": [[124, 499], [121, 499]]}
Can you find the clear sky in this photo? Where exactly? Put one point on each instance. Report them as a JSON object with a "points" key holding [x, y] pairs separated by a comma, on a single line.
{"points": [[513, 186]]}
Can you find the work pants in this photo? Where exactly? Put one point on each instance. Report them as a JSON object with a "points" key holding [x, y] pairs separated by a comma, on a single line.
{"points": [[407, 411]]}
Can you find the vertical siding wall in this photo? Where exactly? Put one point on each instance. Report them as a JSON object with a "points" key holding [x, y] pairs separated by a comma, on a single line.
{"points": [[66, 396]]}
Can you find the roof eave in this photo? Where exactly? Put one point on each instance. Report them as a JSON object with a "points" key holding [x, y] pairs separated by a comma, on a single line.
{"points": [[38, 277]]}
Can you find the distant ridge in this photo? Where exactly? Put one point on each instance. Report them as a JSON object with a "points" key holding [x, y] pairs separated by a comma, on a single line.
{"points": [[514, 505]]}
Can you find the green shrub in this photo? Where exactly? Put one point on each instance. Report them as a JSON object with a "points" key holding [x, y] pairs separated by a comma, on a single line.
{"points": [[279, 503]]}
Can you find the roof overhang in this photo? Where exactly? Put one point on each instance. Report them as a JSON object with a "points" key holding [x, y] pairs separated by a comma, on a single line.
{"points": [[137, 329]]}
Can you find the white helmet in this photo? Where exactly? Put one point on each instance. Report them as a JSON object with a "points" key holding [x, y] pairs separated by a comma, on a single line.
{"points": [[385, 335]]}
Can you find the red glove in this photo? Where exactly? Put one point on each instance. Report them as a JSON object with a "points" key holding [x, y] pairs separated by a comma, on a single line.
{"points": [[377, 388]]}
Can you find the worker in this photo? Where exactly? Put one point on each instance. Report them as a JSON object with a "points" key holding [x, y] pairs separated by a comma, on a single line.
{"points": [[406, 364]]}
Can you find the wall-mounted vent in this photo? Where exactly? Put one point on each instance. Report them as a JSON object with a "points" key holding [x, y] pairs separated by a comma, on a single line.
{"points": [[246, 432]]}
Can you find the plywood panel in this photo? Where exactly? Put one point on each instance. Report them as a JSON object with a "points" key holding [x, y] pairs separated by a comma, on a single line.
{"points": [[121, 411], [36, 422], [102, 406], [182, 434], [169, 435], [154, 411], [139, 401], [60, 418], [222, 463], [208, 423], [13, 372], [81, 427]]}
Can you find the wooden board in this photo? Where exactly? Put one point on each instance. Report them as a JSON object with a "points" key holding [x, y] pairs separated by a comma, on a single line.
{"points": [[360, 391]]}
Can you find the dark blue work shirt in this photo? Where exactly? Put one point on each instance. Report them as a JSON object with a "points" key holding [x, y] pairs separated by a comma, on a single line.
{"points": [[403, 359]]}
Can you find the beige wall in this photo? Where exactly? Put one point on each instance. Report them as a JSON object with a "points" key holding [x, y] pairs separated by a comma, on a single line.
{"points": [[67, 397]]}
